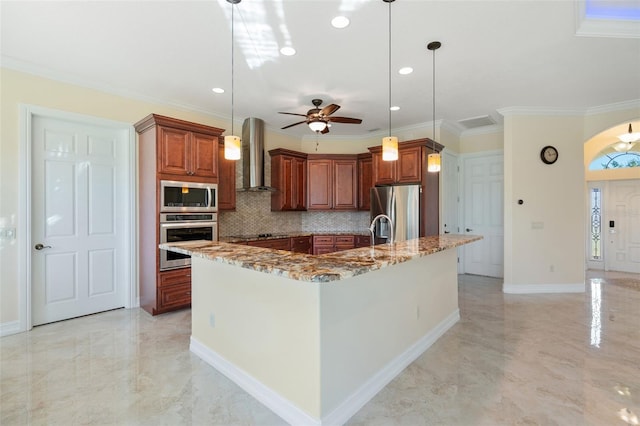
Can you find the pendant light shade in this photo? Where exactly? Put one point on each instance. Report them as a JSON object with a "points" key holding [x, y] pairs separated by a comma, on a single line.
{"points": [[433, 163], [390, 148], [434, 160], [389, 143], [231, 147], [232, 142], [630, 137]]}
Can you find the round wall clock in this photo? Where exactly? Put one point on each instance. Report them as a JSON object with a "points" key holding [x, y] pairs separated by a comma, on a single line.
{"points": [[549, 154]]}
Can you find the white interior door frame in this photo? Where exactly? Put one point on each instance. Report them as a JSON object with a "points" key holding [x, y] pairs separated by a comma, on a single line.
{"points": [[27, 113]]}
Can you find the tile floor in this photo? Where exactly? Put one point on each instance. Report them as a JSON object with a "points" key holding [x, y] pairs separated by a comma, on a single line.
{"points": [[570, 359]]}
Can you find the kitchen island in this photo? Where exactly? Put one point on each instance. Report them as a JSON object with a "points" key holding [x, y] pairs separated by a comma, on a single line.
{"points": [[315, 337]]}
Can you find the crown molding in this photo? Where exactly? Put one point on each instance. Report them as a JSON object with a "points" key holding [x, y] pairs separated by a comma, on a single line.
{"points": [[46, 73], [484, 130], [618, 106]]}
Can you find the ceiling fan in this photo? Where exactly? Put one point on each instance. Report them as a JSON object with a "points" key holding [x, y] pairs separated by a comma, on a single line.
{"points": [[318, 119]]}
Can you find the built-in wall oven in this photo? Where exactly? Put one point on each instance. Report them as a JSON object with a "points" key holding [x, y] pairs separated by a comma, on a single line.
{"points": [[179, 227]]}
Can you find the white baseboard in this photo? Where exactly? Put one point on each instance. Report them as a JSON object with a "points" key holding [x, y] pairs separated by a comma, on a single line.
{"points": [[350, 406], [543, 288], [271, 399], [9, 328], [382, 378]]}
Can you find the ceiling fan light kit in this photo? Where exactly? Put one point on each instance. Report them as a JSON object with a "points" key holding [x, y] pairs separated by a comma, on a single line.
{"points": [[319, 120], [434, 160], [231, 142], [389, 143]]}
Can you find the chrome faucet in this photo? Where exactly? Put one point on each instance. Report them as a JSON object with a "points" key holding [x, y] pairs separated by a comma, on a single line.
{"points": [[373, 226]]}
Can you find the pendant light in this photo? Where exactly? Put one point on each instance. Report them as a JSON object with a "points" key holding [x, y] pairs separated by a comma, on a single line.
{"points": [[390, 143], [232, 142], [433, 160], [630, 137]]}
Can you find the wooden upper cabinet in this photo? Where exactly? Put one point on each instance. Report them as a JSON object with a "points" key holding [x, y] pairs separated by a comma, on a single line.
{"points": [[409, 165], [409, 168], [345, 184], [332, 182], [365, 181], [384, 172], [183, 148], [289, 177], [204, 155], [226, 182], [320, 184], [174, 151]]}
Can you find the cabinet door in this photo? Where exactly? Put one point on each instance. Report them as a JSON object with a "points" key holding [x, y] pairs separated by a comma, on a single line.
{"points": [[174, 151], [365, 182], [384, 172], [204, 155], [299, 184], [320, 179], [226, 182], [409, 165], [345, 184]]}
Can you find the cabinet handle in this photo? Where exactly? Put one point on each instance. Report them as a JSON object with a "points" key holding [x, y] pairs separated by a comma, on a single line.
{"points": [[188, 275], [188, 293]]}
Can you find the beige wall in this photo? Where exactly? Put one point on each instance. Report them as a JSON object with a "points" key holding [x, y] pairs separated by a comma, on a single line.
{"points": [[543, 188]]}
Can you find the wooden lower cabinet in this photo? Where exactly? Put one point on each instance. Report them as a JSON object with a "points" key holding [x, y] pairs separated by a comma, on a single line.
{"points": [[323, 244], [173, 291], [301, 244], [276, 243]]}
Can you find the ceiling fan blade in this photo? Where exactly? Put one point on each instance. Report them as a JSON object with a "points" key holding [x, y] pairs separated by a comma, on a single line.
{"points": [[326, 130], [294, 124], [347, 120], [329, 109], [292, 113]]}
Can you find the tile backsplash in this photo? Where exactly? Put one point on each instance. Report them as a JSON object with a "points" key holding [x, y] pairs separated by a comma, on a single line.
{"points": [[253, 216]]}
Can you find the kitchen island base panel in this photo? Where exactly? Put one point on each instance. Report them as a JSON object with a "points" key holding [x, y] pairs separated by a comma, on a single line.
{"points": [[320, 351]]}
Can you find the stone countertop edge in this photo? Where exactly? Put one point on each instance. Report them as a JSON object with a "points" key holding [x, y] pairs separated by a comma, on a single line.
{"points": [[245, 238], [319, 268]]}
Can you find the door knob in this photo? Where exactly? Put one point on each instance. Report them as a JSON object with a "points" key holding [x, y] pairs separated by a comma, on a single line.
{"points": [[469, 229], [40, 246]]}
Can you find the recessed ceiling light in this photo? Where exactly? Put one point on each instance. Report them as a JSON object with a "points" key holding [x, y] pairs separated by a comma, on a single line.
{"points": [[394, 108], [288, 51], [340, 22], [218, 90], [405, 70]]}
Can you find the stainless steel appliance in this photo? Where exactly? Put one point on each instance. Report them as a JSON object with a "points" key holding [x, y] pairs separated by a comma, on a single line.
{"points": [[178, 196], [402, 204], [178, 227]]}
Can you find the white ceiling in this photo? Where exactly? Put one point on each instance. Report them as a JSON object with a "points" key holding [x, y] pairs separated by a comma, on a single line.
{"points": [[495, 54]]}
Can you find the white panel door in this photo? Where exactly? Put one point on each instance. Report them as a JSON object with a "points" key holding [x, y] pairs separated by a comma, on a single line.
{"points": [[623, 209], [78, 219], [483, 214]]}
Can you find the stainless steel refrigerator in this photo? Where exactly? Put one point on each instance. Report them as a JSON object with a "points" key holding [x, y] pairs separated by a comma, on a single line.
{"points": [[402, 204]]}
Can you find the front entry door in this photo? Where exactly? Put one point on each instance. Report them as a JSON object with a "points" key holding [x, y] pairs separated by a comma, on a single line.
{"points": [[78, 211], [483, 215], [623, 226]]}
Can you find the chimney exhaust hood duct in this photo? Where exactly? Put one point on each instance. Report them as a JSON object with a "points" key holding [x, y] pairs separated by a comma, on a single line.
{"points": [[253, 155]]}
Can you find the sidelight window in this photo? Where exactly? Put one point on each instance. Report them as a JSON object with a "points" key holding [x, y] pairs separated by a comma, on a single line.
{"points": [[595, 243]]}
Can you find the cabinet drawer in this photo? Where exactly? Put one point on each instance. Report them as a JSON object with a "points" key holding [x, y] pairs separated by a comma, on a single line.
{"points": [[276, 244], [344, 239], [176, 276], [323, 240], [174, 296], [362, 241], [323, 249]]}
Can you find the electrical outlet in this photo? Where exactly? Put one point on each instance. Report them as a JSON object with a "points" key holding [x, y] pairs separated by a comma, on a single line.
{"points": [[212, 320], [417, 312]]}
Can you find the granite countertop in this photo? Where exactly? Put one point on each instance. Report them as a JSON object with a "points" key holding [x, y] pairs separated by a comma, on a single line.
{"points": [[255, 237], [319, 268]]}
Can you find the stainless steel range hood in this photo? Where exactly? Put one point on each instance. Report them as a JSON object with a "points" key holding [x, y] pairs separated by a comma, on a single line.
{"points": [[253, 156]]}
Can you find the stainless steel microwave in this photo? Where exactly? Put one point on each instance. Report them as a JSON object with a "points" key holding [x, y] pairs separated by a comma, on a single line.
{"points": [[188, 197]]}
